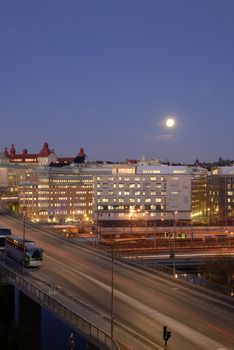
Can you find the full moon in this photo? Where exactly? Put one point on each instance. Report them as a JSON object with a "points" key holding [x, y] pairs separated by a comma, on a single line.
{"points": [[170, 123]]}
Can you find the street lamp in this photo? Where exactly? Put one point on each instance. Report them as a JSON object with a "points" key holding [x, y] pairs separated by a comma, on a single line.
{"points": [[98, 227], [175, 218], [145, 215], [175, 213], [208, 219], [172, 251], [24, 222], [225, 199], [169, 241], [112, 294], [131, 217], [229, 239], [217, 216]]}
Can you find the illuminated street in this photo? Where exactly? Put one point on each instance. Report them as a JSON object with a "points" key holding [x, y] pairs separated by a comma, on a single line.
{"points": [[117, 170], [143, 302]]}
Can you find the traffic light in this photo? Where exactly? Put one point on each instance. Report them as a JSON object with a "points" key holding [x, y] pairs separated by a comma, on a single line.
{"points": [[166, 333]]}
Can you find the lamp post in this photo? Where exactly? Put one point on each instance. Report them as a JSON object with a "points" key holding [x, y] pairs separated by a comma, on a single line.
{"points": [[24, 222], [225, 199], [171, 253], [112, 294], [131, 217], [229, 239], [145, 215], [208, 219], [99, 229], [155, 237], [175, 213], [169, 241]]}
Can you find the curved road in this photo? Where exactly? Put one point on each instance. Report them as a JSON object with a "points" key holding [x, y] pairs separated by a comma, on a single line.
{"points": [[143, 302]]}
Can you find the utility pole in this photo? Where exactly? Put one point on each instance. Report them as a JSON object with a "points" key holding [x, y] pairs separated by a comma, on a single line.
{"points": [[174, 243], [145, 214], [131, 213], [24, 224], [208, 219], [225, 201], [112, 295]]}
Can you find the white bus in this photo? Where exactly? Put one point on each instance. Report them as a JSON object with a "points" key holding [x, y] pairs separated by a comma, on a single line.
{"points": [[25, 252], [4, 232]]}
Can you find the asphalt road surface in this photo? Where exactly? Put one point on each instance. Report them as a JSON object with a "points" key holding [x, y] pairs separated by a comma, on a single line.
{"points": [[143, 302]]}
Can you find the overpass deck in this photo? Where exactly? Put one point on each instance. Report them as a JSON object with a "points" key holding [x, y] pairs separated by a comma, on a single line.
{"points": [[64, 305]]}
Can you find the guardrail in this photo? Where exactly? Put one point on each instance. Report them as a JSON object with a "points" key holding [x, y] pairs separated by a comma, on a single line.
{"points": [[190, 278], [155, 266], [45, 299]]}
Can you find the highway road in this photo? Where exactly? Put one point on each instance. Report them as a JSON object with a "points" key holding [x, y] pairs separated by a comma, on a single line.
{"points": [[143, 302]]}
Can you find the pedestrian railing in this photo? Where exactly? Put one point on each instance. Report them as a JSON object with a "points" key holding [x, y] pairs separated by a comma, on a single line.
{"points": [[51, 301]]}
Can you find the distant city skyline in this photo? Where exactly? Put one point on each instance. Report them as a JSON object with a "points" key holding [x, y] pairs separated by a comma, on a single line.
{"points": [[26, 153], [106, 75]]}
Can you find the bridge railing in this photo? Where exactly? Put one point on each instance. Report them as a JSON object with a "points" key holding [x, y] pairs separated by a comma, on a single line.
{"points": [[190, 278], [51, 302]]}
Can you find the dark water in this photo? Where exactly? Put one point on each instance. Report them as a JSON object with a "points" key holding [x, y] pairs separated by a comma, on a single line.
{"points": [[26, 325]]}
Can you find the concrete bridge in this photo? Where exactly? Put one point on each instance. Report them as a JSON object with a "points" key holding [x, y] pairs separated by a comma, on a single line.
{"points": [[58, 303]]}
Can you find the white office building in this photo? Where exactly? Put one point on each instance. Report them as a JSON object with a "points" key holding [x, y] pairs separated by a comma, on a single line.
{"points": [[144, 194]]}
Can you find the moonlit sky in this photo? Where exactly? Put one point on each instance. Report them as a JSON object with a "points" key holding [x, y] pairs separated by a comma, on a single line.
{"points": [[106, 74]]}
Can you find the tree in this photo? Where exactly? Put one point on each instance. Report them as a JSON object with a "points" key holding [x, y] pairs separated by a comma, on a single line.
{"points": [[219, 270]]}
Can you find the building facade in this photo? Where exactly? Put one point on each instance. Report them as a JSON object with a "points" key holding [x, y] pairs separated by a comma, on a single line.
{"points": [[199, 196], [220, 196], [143, 194], [56, 195]]}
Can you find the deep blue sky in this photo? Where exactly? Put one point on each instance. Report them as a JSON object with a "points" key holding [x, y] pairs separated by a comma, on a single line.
{"points": [[104, 74]]}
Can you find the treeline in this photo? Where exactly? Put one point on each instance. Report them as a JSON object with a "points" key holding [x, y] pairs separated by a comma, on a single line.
{"points": [[219, 270]]}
